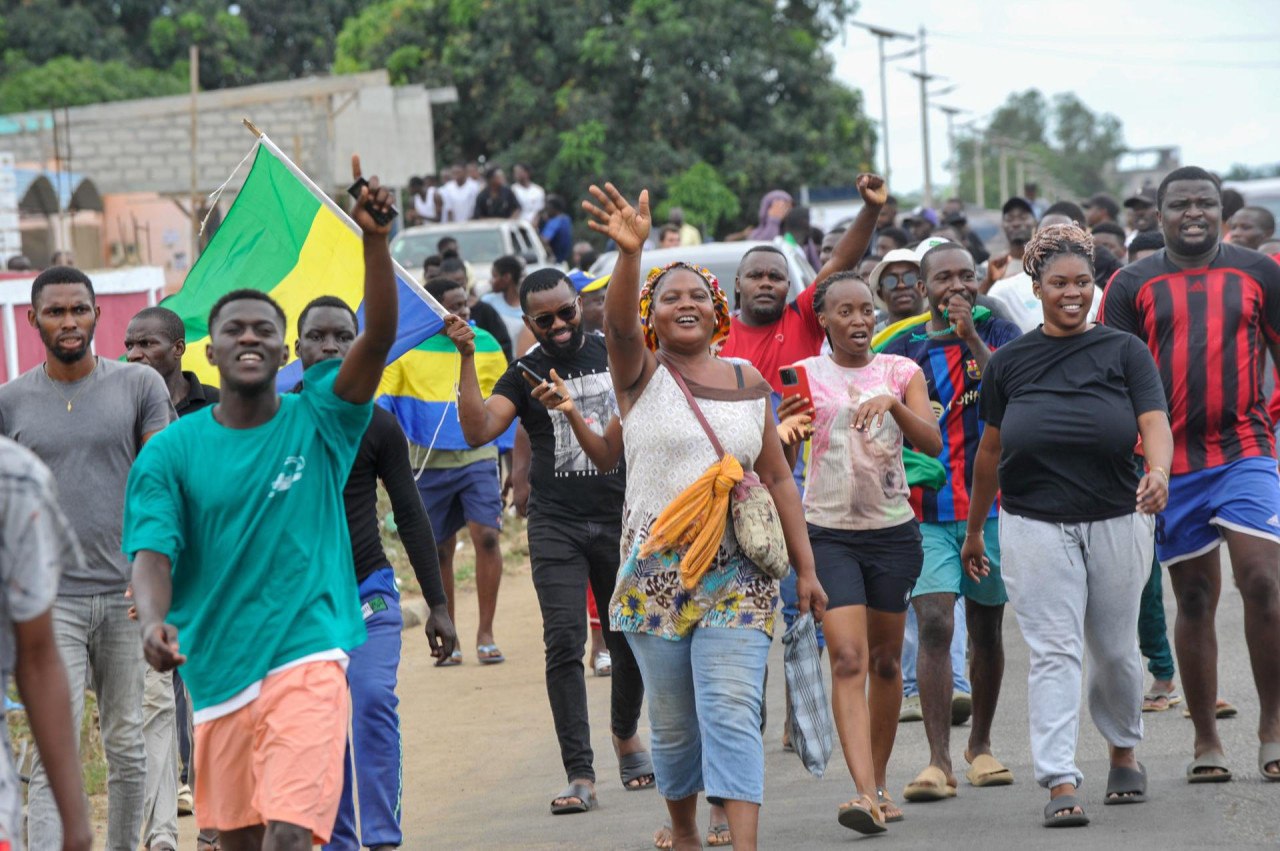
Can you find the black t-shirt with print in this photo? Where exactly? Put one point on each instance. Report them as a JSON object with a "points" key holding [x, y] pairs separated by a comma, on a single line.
{"points": [[563, 480], [1067, 409]]}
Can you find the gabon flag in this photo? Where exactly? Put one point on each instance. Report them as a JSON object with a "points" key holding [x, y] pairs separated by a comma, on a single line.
{"points": [[286, 237]]}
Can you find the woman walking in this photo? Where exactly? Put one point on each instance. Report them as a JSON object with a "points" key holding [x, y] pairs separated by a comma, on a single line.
{"points": [[1064, 406], [700, 616], [865, 539]]}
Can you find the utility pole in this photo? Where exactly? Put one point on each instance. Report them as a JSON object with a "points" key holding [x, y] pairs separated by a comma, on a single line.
{"points": [[951, 112], [979, 179], [882, 35], [924, 77], [1004, 171], [194, 62]]}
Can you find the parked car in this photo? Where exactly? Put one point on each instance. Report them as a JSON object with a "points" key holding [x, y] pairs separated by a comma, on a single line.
{"points": [[480, 242], [722, 259]]}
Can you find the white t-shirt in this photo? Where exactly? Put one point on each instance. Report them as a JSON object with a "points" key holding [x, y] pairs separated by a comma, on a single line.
{"points": [[532, 199], [425, 206], [459, 201], [1017, 296]]}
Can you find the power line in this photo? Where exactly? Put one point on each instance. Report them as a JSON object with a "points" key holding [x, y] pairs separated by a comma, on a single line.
{"points": [[1129, 61], [1121, 40]]}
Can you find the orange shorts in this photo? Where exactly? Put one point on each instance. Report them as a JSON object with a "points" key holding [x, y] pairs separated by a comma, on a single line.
{"points": [[280, 757]]}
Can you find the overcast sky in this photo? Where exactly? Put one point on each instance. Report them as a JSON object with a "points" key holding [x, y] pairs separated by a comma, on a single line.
{"points": [[1148, 62]]}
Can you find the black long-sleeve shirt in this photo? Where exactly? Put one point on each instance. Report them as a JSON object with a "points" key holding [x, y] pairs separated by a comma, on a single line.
{"points": [[384, 454]]}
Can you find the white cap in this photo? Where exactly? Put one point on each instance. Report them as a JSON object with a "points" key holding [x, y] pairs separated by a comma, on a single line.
{"points": [[897, 255], [926, 244]]}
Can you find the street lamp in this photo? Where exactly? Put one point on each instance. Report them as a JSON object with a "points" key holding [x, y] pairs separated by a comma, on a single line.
{"points": [[882, 35]]}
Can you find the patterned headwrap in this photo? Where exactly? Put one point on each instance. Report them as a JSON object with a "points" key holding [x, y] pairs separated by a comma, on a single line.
{"points": [[718, 299]]}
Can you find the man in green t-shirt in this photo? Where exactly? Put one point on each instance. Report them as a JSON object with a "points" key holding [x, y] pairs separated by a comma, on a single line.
{"points": [[239, 538]]}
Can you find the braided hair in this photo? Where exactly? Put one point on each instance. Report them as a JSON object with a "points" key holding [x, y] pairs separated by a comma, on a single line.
{"points": [[1055, 241], [820, 291]]}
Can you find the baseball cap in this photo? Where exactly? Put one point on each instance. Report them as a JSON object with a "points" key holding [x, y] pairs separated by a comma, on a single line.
{"points": [[1015, 202], [1142, 198], [956, 218], [897, 255], [922, 213], [585, 282]]}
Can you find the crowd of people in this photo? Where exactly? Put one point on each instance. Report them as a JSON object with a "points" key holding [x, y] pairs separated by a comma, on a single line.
{"points": [[929, 431]]}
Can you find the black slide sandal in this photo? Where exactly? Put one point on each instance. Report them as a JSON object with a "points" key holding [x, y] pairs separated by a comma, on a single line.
{"points": [[1129, 785], [1068, 818]]}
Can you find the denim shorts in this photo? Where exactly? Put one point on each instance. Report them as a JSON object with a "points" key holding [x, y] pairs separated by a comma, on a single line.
{"points": [[705, 694]]}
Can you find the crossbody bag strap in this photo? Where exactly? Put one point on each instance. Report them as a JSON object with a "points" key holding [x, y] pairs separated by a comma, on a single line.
{"points": [[697, 412]]}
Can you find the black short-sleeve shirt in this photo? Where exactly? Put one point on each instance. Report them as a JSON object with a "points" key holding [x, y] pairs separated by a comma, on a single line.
{"points": [[563, 480], [1067, 409]]}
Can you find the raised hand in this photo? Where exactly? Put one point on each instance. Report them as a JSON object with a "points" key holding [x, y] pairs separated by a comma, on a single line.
{"points": [[873, 189], [379, 196], [615, 218], [552, 393], [461, 334]]}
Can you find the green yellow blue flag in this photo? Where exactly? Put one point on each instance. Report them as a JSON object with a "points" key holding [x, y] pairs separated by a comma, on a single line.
{"points": [[285, 237]]}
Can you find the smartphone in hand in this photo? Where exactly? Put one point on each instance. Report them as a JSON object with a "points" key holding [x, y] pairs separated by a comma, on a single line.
{"points": [[378, 216], [795, 382], [536, 380]]}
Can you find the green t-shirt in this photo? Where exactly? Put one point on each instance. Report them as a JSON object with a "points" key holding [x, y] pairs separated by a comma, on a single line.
{"points": [[253, 522]]}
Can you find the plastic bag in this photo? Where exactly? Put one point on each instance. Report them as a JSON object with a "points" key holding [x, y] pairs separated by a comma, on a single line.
{"points": [[810, 727]]}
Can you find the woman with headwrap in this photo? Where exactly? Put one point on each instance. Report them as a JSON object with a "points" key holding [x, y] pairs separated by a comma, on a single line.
{"points": [[774, 207], [697, 613]]}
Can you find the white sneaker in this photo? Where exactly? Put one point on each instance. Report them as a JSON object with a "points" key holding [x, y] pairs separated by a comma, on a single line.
{"points": [[910, 709]]}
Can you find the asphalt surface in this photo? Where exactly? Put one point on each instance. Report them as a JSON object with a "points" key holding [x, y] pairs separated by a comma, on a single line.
{"points": [[482, 764]]}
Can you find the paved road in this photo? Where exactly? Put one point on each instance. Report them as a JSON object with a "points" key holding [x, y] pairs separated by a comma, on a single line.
{"points": [[482, 765]]}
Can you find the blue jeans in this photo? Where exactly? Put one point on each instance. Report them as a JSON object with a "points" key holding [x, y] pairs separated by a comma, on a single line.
{"points": [[97, 640], [375, 723], [911, 642], [705, 694]]}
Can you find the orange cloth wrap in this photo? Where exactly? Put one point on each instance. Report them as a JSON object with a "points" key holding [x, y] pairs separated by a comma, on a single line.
{"points": [[696, 519]]}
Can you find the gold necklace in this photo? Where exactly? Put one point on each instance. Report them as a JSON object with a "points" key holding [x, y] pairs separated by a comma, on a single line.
{"points": [[85, 384]]}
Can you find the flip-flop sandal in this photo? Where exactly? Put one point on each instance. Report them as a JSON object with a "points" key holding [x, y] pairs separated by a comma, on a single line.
{"points": [[586, 800], [489, 654], [718, 835], [603, 664], [885, 800], [1171, 699], [1195, 773], [986, 770], [1067, 819], [930, 785], [453, 660], [1268, 752], [636, 766], [1127, 785], [1223, 709], [859, 818]]}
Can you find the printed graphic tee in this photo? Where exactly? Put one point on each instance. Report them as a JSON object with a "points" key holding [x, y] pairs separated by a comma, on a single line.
{"points": [[563, 480]]}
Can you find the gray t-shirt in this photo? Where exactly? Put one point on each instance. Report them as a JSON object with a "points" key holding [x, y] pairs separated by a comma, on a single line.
{"points": [[90, 450], [36, 544]]}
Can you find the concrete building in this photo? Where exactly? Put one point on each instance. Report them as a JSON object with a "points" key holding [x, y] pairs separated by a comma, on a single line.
{"points": [[142, 149]]}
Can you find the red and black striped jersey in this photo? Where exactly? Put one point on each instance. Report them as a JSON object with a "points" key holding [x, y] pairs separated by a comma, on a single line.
{"points": [[1208, 330]]}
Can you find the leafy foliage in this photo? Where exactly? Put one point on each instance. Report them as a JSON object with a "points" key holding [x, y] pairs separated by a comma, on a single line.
{"points": [[1069, 142], [638, 92]]}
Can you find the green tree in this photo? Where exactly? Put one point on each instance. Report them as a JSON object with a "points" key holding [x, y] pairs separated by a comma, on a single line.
{"points": [[635, 91], [1063, 140], [73, 82], [702, 195]]}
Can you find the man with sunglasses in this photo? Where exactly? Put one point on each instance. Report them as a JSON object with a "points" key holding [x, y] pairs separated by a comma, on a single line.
{"points": [[563, 396]]}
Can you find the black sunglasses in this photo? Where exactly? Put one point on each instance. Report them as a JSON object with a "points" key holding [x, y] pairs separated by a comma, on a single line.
{"points": [[546, 320], [906, 279]]}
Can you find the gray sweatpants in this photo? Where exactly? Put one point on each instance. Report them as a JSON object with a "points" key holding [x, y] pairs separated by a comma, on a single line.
{"points": [[1077, 587]]}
